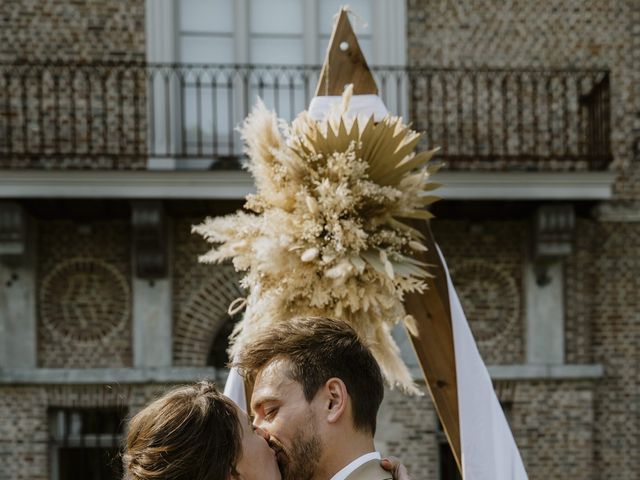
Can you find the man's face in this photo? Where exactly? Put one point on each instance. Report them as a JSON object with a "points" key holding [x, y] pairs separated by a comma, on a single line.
{"points": [[282, 411]]}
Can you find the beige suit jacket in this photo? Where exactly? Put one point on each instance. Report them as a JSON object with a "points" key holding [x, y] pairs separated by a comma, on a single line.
{"points": [[370, 471]]}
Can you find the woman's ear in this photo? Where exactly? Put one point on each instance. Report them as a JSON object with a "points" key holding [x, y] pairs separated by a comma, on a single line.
{"points": [[337, 399]]}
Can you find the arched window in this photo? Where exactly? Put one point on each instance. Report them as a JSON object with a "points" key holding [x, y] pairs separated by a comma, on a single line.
{"points": [[218, 356], [203, 325]]}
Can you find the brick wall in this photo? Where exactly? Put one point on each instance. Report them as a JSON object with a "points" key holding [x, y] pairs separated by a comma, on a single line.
{"points": [[580, 283], [615, 326], [602, 320], [84, 294], [24, 423], [201, 296], [575, 429], [485, 261], [80, 113], [564, 428], [552, 423], [544, 34], [407, 428], [569, 429], [95, 30]]}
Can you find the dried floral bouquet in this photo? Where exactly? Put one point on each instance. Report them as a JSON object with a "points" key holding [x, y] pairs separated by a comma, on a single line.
{"points": [[325, 234]]}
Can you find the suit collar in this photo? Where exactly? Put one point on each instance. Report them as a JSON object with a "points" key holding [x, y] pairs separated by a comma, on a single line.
{"points": [[357, 464], [370, 470]]}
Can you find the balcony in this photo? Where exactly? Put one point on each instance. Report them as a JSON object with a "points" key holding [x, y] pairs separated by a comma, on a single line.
{"points": [[139, 116]]}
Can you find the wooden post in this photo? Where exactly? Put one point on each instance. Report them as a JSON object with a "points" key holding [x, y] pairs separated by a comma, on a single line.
{"points": [[434, 343]]}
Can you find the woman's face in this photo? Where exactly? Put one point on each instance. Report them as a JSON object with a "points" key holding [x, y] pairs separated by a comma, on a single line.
{"points": [[258, 461]]}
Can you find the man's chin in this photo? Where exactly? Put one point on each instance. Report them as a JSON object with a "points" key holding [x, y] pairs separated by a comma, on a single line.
{"points": [[302, 468], [299, 461], [281, 465], [284, 465], [281, 459]]}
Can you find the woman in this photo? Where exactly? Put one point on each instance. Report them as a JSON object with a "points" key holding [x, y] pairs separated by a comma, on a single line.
{"points": [[196, 433]]}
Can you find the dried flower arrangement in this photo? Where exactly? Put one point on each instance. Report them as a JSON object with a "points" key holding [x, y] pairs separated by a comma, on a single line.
{"points": [[324, 234]]}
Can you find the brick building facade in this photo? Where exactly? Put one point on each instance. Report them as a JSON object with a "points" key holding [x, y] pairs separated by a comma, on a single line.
{"points": [[103, 303]]}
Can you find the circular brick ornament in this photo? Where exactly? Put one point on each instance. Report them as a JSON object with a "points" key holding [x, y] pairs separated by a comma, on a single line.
{"points": [[84, 300], [489, 297]]}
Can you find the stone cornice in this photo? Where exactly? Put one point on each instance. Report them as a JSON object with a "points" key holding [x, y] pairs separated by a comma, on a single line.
{"points": [[16, 184], [526, 372], [89, 376], [628, 211], [92, 376]]}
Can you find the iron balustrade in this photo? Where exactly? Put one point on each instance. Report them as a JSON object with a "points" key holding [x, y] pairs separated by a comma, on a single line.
{"points": [[125, 115]]}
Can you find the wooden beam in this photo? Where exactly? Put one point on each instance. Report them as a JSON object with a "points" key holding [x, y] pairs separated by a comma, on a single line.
{"points": [[434, 345]]}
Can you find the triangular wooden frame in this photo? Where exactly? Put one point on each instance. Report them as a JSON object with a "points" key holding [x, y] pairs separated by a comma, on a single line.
{"points": [[433, 345], [345, 63]]}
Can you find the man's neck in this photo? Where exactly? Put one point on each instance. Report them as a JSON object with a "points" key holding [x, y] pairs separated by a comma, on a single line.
{"points": [[338, 455]]}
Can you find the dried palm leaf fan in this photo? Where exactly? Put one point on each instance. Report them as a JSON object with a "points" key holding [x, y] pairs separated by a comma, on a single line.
{"points": [[329, 230]]}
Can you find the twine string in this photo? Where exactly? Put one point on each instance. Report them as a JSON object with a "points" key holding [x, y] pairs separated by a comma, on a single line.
{"points": [[237, 305]]}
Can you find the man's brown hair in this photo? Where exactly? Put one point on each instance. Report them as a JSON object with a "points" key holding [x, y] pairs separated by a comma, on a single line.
{"points": [[318, 349], [189, 433]]}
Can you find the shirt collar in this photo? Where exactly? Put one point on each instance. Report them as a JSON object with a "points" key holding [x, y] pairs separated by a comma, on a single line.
{"points": [[349, 469]]}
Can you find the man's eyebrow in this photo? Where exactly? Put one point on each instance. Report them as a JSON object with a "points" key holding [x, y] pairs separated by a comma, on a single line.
{"points": [[262, 400]]}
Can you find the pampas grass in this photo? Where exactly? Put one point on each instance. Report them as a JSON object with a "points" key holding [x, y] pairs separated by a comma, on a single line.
{"points": [[325, 234]]}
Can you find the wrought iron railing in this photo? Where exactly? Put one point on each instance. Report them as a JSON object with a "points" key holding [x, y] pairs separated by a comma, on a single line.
{"points": [[116, 115]]}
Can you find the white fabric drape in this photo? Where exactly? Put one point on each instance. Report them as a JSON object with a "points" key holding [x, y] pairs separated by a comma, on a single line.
{"points": [[234, 389], [489, 451]]}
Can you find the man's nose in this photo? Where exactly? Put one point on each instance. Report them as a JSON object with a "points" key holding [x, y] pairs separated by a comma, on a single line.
{"points": [[261, 432]]}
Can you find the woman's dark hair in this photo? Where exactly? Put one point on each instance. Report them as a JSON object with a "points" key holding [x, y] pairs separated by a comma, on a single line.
{"points": [[190, 433]]}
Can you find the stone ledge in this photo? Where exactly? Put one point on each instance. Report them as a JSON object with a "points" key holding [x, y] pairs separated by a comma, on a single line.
{"points": [[135, 184], [538, 372], [61, 376], [621, 211], [77, 376], [546, 372]]}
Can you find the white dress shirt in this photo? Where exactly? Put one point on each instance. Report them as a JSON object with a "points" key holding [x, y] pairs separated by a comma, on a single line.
{"points": [[346, 471]]}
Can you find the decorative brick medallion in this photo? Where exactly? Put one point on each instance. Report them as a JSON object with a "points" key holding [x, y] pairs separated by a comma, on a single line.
{"points": [[84, 300], [489, 297]]}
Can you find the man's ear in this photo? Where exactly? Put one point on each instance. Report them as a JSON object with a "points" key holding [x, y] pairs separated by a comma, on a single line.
{"points": [[336, 399]]}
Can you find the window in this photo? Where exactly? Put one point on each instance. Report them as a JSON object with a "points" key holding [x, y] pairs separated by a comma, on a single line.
{"points": [[85, 443], [448, 466], [218, 356], [274, 32], [227, 49]]}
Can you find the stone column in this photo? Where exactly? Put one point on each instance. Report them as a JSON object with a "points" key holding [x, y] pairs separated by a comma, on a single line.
{"points": [[544, 313], [18, 339], [544, 284], [151, 287]]}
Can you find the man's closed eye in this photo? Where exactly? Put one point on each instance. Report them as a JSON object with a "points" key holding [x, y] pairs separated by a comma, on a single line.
{"points": [[270, 413]]}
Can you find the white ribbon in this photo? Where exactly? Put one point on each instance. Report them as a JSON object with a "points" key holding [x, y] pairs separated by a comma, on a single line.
{"points": [[366, 105]]}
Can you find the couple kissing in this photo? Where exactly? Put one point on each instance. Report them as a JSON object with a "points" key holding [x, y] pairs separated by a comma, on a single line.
{"points": [[316, 394]]}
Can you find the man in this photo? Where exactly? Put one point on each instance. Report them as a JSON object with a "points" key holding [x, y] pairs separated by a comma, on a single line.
{"points": [[317, 390]]}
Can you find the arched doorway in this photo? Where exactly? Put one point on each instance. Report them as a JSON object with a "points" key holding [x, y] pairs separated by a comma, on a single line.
{"points": [[204, 320]]}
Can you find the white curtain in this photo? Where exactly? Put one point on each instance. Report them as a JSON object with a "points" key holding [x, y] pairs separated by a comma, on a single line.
{"points": [[489, 451]]}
